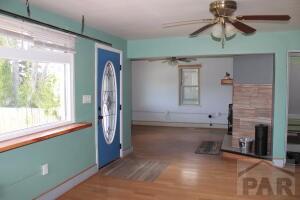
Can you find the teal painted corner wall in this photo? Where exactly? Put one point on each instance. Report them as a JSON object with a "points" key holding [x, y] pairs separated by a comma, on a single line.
{"points": [[69, 154], [278, 43]]}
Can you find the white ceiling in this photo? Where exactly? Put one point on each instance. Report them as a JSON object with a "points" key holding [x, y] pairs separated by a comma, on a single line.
{"points": [[140, 19]]}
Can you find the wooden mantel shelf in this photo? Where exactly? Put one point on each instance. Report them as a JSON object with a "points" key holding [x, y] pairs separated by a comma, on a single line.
{"points": [[226, 82], [42, 135]]}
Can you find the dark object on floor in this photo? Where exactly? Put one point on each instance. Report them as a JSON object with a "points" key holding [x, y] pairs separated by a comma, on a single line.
{"points": [[229, 118], [135, 169], [293, 158], [291, 139], [261, 140], [209, 147]]}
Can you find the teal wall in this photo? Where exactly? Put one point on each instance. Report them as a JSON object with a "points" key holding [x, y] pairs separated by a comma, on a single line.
{"points": [[279, 43], [66, 155]]}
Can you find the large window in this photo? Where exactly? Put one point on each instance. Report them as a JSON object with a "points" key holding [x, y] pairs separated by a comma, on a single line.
{"points": [[35, 78], [189, 81]]}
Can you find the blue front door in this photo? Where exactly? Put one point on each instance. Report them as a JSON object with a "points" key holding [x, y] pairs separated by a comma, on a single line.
{"points": [[108, 106]]}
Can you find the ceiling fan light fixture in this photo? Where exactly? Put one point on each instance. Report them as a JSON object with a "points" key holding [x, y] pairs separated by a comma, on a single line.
{"points": [[230, 30], [217, 31], [173, 62]]}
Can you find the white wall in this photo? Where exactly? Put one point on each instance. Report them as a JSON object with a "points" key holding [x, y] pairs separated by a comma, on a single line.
{"points": [[155, 92]]}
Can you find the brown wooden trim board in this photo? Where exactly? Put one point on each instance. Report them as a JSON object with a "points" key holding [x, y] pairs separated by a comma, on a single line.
{"points": [[42, 135]]}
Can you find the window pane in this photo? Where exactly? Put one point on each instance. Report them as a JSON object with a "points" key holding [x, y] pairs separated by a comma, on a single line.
{"points": [[190, 77], [31, 94], [108, 103], [190, 95]]}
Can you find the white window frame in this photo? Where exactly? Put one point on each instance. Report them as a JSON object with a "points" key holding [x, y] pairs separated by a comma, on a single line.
{"points": [[43, 56], [180, 68]]}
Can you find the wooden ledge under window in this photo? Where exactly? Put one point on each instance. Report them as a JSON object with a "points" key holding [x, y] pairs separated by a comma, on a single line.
{"points": [[42, 135]]}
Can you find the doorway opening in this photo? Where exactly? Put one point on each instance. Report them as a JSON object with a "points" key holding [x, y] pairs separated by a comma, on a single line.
{"points": [[293, 125]]}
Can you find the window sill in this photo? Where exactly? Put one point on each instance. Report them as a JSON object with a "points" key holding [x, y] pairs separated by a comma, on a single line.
{"points": [[190, 105], [42, 135]]}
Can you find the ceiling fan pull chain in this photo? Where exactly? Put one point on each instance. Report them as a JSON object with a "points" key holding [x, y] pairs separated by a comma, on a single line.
{"points": [[28, 8], [223, 43], [82, 24], [223, 32]]}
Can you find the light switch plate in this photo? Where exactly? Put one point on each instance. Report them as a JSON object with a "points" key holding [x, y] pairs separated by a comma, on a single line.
{"points": [[86, 99], [44, 169]]}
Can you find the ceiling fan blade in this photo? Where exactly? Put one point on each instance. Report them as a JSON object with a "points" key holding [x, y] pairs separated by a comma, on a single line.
{"points": [[187, 21], [187, 59], [197, 32], [265, 17], [193, 59], [242, 27], [153, 59], [184, 59], [183, 24]]}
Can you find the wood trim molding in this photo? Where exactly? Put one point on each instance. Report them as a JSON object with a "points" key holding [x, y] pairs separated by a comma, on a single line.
{"points": [[190, 66], [226, 82], [42, 135]]}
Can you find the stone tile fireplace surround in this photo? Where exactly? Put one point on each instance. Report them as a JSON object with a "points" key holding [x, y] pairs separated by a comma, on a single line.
{"points": [[252, 105]]}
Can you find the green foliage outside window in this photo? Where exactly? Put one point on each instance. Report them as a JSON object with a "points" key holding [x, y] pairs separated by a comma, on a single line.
{"points": [[44, 96], [6, 83], [25, 84]]}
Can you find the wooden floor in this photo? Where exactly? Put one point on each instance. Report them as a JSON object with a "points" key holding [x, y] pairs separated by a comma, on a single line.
{"points": [[135, 169], [189, 176]]}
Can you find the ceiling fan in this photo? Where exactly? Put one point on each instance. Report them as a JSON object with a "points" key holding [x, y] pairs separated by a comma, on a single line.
{"points": [[174, 60], [224, 24]]}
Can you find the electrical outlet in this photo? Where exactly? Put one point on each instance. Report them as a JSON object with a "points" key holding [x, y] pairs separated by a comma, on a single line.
{"points": [[44, 169], [86, 99]]}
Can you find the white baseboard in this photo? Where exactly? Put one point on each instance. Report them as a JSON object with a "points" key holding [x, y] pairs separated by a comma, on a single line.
{"points": [[68, 184], [126, 152], [179, 124], [279, 162]]}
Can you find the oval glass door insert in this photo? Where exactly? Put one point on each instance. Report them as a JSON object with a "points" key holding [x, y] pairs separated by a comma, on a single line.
{"points": [[109, 102]]}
